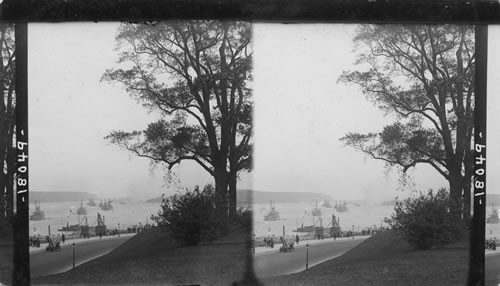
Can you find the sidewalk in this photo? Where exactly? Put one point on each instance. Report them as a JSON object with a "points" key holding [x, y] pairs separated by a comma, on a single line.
{"points": [[302, 243], [69, 242], [489, 252]]}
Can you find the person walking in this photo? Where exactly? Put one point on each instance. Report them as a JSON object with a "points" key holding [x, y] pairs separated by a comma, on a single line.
{"points": [[63, 238], [297, 239]]}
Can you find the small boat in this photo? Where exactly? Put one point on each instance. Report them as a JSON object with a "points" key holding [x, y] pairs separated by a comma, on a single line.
{"points": [[493, 218], [273, 214], [38, 214], [73, 227], [81, 210], [309, 228]]}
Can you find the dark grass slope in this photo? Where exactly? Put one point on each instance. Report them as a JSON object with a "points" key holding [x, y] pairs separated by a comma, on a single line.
{"points": [[386, 259], [154, 258], [6, 260]]}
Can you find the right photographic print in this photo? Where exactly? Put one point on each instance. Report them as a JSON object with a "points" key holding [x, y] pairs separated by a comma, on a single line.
{"points": [[363, 161], [492, 230]]}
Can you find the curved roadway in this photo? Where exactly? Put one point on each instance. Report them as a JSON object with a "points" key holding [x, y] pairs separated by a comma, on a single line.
{"points": [[44, 263], [275, 263]]}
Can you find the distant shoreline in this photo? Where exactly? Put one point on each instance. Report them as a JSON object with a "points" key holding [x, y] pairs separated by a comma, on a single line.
{"points": [[57, 197]]}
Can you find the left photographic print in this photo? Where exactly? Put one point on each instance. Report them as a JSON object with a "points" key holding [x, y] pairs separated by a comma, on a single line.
{"points": [[7, 151], [140, 135]]}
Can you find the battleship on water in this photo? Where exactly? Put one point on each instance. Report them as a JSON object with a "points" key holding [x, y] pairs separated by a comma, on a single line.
{"points": [[91, 203], [273, 214], [316, 211], [106, 206], [81, 210], [340, 207], [326, 204], [38, 214]]}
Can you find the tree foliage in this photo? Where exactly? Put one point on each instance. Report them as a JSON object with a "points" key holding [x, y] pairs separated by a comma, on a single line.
{"points": [[424, 75], [196, 74], [429, 221], [7, 119], [191, 217]]}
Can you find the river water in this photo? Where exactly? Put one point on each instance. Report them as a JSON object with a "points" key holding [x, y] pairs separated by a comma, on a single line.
{"points": [[361, 215], [58, 215]]}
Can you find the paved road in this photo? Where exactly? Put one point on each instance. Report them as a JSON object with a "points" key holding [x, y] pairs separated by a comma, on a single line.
{"points": [[45, 263], [492, 269], [277, 263]]}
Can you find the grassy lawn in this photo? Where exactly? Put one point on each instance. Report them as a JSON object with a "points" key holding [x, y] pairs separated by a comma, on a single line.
{"points": [[153, 258], [385, 259]]}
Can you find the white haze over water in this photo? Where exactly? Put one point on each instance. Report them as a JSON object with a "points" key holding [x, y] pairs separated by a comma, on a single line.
{"points": [[58, 215], [365, 215]]}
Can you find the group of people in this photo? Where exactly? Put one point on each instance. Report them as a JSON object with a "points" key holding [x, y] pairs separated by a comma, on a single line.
{"points": [[54, 243], [139, 228], [491, 244], [35, 241], [84, 235], [269, 241], [288, 245]]}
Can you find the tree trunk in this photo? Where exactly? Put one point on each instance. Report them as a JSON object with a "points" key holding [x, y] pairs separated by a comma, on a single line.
{"points": [[232, 194], [3, 190], [4, 141], [221, 193], [467, 198], [11, 171], [456, 182], [469, 173]]}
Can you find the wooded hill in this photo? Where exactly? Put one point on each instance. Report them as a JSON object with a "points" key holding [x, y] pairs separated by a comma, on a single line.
{"points": [[260, 197], [55, 197]]}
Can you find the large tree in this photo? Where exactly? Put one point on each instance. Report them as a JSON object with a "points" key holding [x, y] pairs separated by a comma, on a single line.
{"points": [[196, 75], [7, 118], [425, 76]]}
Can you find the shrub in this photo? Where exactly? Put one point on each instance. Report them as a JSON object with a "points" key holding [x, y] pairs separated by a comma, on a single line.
{"points": [[191, 217], [429, 221]]}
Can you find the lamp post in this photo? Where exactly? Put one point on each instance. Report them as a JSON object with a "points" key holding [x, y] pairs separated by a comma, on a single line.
{"points": [[307, 255], [73, 254]]}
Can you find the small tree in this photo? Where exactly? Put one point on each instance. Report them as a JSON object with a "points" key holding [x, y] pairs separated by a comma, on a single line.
{"points": [[191, 217], [429, 221]]}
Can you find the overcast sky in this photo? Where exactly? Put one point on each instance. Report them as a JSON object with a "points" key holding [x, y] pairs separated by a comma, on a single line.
{"points": [[493, 112], [300, 114]]}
